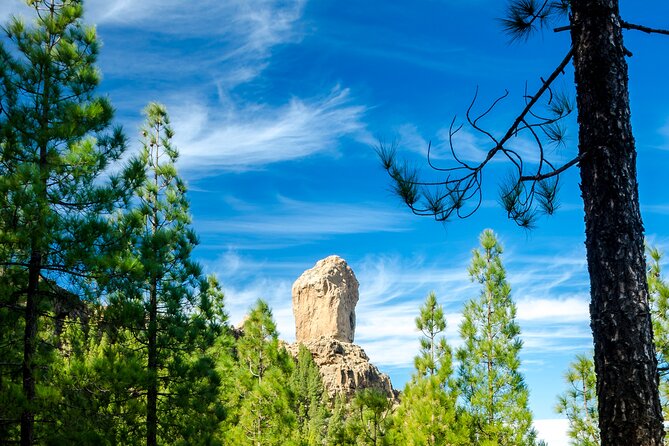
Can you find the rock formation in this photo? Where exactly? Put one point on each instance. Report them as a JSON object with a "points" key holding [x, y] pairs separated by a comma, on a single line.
{"points": [[324, 299], [344, 367]]}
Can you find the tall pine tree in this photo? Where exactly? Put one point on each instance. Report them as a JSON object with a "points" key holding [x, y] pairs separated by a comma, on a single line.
{"points": [[370, 420], [53, 202], [263, 404], [579, 402], [427, 413], [492, 388], [177, 312], [309, 400]]}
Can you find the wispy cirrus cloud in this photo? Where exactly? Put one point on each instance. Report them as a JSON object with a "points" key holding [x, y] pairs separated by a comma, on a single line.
{"points": [[572, 309], [296, 221], [226, 43], [392, 288], [662, 209], [550, 294], [232, 133], [257, 135], [243, 34]]}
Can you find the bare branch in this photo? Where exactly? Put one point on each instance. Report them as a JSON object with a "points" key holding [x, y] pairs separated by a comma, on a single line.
{"points": [[644, 29], [461, 192], [553, 173]]}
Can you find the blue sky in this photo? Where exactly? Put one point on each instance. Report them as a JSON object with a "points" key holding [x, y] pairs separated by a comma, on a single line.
{"points": [[276, 105]]}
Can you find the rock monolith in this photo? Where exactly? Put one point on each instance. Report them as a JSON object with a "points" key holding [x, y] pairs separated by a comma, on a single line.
{"points": [[324, 299]]}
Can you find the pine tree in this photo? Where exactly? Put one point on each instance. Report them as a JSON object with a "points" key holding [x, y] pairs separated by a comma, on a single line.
{"points": [[371, 417], [338, 432], [625, 360], [99, 371], [177, 312], [427, 413], [659, 312], [262, 407], [53, 202], [579, 402], [310, 400], [492, 388]]}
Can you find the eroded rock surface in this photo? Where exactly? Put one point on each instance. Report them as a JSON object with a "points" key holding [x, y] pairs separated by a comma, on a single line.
{"points": [[324, 299], [345, 367]]}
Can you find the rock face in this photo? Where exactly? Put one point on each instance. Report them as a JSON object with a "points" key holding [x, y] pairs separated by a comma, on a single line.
{"points": [[324, 299], [344, 367]]}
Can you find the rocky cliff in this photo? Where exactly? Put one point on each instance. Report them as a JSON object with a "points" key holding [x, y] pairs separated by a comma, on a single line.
{"points": [[345, 367], [324, 300]]}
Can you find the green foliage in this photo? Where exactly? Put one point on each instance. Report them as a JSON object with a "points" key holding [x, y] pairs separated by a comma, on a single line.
{"points": [[579, 402], [261, 407], [100, 376], [492, 389], [339, 432], [54, 204], [659, 312], [370, 419], [525, 17], [309, 400], [174, 312], [435, 354], [427, 414]]}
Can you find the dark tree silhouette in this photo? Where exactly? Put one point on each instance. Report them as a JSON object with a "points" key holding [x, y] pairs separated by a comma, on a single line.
{"points": [[625, 362]]}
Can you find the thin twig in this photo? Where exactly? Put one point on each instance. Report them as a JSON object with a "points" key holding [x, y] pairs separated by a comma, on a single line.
{"points": [[645, 29]]}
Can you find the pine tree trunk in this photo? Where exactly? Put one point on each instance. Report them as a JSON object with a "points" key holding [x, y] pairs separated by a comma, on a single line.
{"points": [[29, 339], [625, 362], [35, 263], [152, 391]]}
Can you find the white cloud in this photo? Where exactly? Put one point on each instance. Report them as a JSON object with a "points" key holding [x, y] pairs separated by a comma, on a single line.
{"points": [[551, 339], [244, 33], [276, 292], [664, 132], [391, 290], [264, 21], [258, 135], [553, 431], [301, 221], [229, 134], [553, 310]]}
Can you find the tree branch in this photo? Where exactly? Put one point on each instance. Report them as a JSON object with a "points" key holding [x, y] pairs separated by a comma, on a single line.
{"points": [[645, 29]]}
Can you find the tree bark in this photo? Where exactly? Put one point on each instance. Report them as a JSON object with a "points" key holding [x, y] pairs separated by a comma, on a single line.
{"points": [[152, 391], [625, 362], [29, 340]]}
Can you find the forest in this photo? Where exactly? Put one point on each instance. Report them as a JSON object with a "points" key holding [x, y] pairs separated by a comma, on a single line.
{"points": [[111, 332]]}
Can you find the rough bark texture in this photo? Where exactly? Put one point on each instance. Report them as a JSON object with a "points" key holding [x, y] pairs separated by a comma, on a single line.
{"points": [[625, 362], [29, 341], [152, 391]]}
